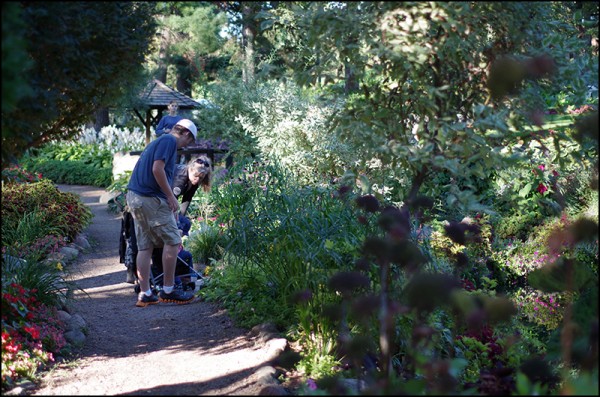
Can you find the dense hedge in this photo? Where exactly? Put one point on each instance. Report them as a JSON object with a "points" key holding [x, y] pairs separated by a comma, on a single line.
{"points": [[72, 172]]}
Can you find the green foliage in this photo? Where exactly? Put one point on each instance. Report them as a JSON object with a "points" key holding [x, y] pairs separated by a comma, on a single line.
{"points": [[205, 242], [231, 99], [200, 26], [73, 164], [476, 354], [517, 225], [247, 296], [65, 211], [73, 172], [78, 66], [33, 239], [296, 236], [318, 366], [290, 127], [16, 63], [119, 187], [45, 281], [93, 154]]}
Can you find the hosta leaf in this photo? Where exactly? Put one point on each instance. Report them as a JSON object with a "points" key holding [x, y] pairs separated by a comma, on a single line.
{"points": [[525, 191]]}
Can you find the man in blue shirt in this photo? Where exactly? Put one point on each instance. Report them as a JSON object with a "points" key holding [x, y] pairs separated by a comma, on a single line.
{"points": [[154, 208], [168, 121]]}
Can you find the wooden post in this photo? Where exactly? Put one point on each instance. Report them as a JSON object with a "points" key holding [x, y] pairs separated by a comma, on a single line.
{"points": [[148, 119]]}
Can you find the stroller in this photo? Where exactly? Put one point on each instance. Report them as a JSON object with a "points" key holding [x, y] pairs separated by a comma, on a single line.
{"points": [[185, 275]]}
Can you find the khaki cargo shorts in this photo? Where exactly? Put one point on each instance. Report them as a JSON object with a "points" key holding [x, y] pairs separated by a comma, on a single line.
{"points": [[155, 224]]}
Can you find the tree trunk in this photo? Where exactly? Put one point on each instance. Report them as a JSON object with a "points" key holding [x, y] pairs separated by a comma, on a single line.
{"points": [[183, 81], [248, 35], [350, 83], [102, 119], [161, 72]]}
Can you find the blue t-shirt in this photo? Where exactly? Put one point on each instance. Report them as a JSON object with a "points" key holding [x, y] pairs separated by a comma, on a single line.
{"points": [[167, 121], [142, 179]]}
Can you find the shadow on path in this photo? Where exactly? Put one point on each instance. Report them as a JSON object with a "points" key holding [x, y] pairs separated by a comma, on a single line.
{"points": [[164, 349]]}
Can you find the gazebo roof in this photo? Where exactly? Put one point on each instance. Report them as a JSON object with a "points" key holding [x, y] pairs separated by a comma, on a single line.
{"points": [[158, 95]]}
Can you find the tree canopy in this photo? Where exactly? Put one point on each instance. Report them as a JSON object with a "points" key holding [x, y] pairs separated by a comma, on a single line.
{"points": [[78, 56]]}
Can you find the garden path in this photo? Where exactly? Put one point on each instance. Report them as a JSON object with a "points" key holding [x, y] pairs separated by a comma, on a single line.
{"points": [[164, 349]]}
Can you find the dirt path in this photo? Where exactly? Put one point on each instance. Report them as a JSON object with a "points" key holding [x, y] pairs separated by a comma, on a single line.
{"points": [[164, 349]]}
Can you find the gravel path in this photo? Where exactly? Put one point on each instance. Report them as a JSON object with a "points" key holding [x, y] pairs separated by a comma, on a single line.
{"points": [[164, 349]]}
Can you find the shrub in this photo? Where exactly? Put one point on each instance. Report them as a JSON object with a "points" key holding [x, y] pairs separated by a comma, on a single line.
{"points": [[65, 211], [72, 172], [33, 239], [206, 241], [545, 309], [46, 281], [17, 174]]}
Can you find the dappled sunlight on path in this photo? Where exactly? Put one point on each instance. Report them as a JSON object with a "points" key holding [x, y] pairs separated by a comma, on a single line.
{"points": [[164, 349]]}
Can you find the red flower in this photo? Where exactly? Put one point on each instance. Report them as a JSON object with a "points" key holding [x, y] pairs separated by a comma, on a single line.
{"points": [[33, 331], [541, 188], [554, 172]]}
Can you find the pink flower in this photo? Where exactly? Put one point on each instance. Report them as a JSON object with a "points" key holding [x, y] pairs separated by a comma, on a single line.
{"points": [[541, 167], [542, 188]]}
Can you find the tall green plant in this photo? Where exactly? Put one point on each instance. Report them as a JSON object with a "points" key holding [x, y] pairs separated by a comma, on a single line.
{"points": [[47, 282], [33, 238]]}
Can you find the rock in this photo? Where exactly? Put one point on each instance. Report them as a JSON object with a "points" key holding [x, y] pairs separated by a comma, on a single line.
{"points": [[265, 332], [69, 253], [263, 328], [76, 323], [273, 390], [53, 258], [21, 389], [275, 347], [82, 242], [63, 316], [75, 338], [266, 375]]}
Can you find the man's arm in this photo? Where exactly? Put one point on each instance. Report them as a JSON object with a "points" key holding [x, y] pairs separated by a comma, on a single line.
{"points": [[160, 128], [158, 170]]}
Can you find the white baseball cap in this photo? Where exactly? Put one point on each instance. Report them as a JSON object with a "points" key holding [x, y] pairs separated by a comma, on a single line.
{"points": [[188, 124]]}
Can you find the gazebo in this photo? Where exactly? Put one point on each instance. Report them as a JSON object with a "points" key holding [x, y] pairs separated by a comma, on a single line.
{"points": [[158, 95]]}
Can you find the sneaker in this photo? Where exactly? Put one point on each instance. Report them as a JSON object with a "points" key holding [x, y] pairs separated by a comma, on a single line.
{"points": [[145, 300], [176, 296]]}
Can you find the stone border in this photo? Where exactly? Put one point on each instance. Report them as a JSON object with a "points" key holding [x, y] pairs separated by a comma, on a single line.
{"points": [[268, 337]]}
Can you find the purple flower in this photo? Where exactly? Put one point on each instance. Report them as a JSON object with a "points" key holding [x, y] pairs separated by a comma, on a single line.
{"points": [[312, 385]]}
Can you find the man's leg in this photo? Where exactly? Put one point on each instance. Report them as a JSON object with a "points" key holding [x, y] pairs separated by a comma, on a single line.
{"points": [[169, 260], [143, 268], [168, 293]]}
